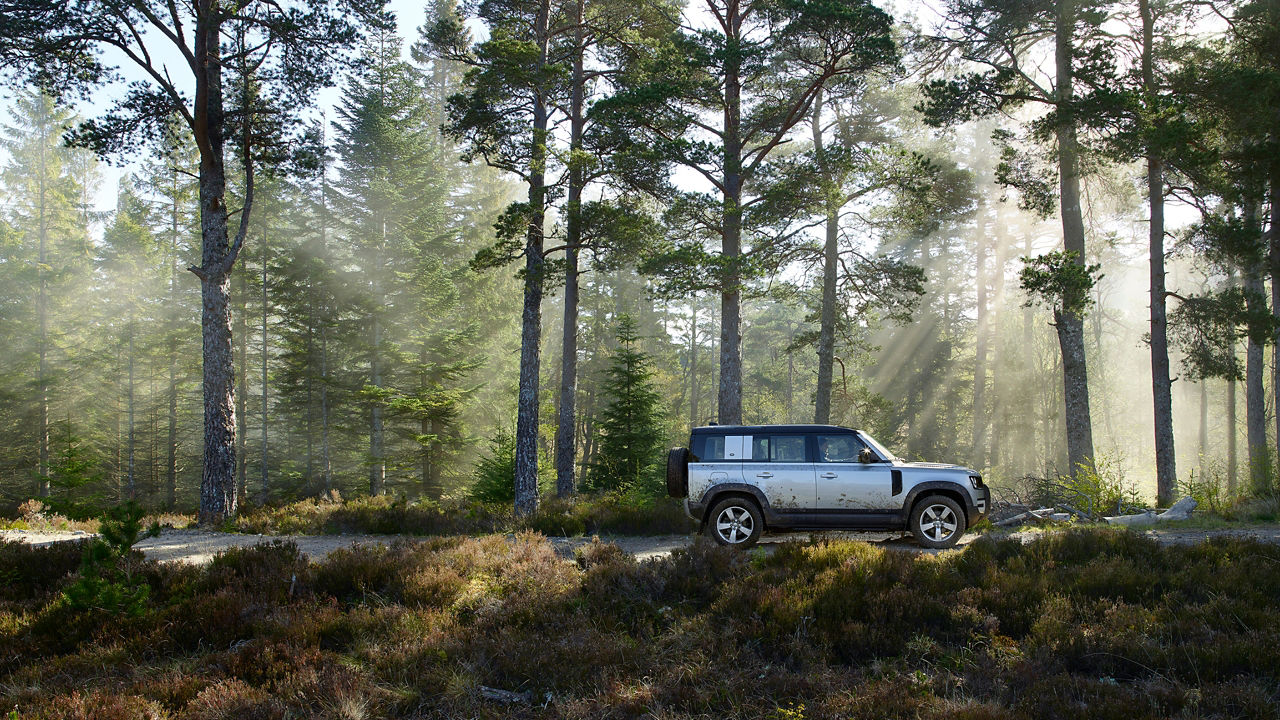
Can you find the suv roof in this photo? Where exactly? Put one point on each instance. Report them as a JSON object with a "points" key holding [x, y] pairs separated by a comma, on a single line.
{"points": [[747, 429]]}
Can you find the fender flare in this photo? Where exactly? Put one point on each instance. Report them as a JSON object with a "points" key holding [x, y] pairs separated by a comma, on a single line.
{"points": [[715, 491], [925, 488]]}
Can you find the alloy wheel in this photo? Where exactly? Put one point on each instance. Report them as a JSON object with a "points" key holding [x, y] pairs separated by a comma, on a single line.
{"points": [[734, 525]]}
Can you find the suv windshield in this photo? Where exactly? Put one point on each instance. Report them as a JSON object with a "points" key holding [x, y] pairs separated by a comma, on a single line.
{"points": [[880, 449]]}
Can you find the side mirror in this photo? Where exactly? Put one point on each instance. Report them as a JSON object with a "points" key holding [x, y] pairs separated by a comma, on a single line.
{"points": [[866, 456]]}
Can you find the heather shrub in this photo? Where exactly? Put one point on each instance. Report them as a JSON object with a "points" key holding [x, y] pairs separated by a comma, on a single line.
{"points": [[618, 513], [31, 573], [235, 700], [102, 705], [272, 571], [1078, 624]]}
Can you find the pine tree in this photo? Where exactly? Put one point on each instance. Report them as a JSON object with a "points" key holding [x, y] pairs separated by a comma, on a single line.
{"points": [[48, 265], [630, 428]]}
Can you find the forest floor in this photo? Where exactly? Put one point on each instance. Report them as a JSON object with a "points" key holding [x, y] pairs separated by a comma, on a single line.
{"points": [[1079, 624], [195, 546]]}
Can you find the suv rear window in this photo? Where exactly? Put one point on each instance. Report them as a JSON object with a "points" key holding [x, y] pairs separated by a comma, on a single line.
{"points": [[708, 448], [779, 448]]}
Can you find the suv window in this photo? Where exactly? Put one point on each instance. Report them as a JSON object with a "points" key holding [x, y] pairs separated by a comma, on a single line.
{"points": [[778, 448], [838, 448], [708, 448], [718, 448]]}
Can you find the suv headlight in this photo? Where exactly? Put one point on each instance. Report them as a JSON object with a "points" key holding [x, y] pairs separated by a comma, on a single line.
{"points": [[975, 481]]}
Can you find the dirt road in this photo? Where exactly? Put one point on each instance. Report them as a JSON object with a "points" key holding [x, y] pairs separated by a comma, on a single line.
{"points": [[199, 546]]}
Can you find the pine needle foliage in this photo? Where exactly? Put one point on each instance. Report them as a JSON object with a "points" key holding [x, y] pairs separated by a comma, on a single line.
{"points": [[630, 427]]}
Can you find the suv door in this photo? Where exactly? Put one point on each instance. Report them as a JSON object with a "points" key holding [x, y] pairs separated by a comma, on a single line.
{"points": [[845, 484], [779, 465]]}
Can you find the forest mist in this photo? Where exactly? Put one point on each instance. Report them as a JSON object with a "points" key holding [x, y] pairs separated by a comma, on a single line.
{"points": [[374, 353]]}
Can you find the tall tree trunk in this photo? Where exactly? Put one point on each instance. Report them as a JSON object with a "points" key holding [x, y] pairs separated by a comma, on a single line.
{"points": [[264, 490], [171, 443], [978, 445], [219, 496], [566, 425], [791, 375], [1255, 398], [1204, 429], [131, 476], [1027, 376], [1233, 457], [242, 380], [526, 461], [693, 361], [326, 458], [1274, 252], [218, 492], [830, 259], [730, 396], [377, 435], [42, 311], [309, 419], [1069, 322], [1161, 385]]}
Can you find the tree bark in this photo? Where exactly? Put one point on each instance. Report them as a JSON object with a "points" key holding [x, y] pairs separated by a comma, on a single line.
{"points": [[326, 458], [265, 489], [242, 380], [693, 361], [1161, 384], [730, 393], [827, 321], [566, 423], [131, 475], [1069, 322], [42, 311], [1274, 253], [171, 444], [526, 461], [377, 459], [1255, 398], [1204, 429], [1233, 457], [218, 493], [979, 443]]}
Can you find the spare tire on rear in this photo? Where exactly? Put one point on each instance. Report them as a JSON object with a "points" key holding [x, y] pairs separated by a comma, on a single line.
{"points": [[678, 472]]}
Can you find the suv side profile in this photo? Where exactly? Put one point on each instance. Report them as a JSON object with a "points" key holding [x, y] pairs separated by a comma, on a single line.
{"points": [[740, 480]]}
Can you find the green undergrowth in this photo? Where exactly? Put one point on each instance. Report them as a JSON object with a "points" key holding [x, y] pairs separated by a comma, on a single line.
{"points": [[1082, 624], [616, 513], [35, 516]]}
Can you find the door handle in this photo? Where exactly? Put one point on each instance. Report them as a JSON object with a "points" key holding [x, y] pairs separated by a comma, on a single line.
{"points": [[828, 475], [765, 475]]}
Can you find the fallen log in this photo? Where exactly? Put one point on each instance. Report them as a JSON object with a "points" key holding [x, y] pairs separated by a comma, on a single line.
{"points": [[1139, 520], [1025, 517], [1180, 510]]}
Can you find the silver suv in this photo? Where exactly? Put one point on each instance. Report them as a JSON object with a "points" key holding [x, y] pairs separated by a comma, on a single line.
{"points": [[740, 480]]}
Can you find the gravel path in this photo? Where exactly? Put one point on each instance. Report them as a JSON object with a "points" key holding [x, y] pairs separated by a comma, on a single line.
{"points": [[199, 546]]}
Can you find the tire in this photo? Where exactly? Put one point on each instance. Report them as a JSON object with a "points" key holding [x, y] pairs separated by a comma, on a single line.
{"points": [[937, 522], [736, 522], [678, 472]]}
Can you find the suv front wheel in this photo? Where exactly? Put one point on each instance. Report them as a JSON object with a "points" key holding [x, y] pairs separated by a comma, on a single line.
{"points": [[937, 522], [735, 521]]}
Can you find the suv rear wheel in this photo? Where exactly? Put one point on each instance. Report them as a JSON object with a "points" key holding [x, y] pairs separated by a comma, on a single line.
{"points": [[937, 522], [735, 521]]}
